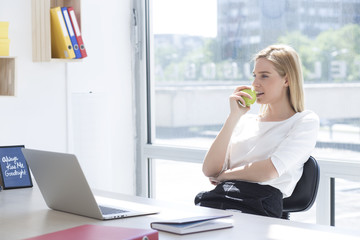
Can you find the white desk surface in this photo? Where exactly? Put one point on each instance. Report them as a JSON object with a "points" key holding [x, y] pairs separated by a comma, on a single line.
{"points": [[24, 214]]}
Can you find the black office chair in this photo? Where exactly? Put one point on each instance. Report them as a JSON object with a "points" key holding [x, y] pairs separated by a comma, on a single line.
{"points": [[305, 192]]}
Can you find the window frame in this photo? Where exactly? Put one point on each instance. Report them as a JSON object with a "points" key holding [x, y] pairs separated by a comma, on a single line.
{"points": [[146, 150]]}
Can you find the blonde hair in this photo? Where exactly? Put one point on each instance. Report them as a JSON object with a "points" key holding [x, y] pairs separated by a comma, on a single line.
{"points": [[287, 63]]}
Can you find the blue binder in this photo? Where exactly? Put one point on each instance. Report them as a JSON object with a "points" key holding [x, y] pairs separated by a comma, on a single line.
{"points": [[71, 32]]}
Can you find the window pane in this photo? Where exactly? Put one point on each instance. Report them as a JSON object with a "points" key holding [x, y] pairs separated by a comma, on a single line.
{"points": [[347, 203], [203, 49]]}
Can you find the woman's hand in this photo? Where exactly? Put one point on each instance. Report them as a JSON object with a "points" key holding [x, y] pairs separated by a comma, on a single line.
{"points": [[235, 97], [260, 171], [213, 181], [220, 178]]}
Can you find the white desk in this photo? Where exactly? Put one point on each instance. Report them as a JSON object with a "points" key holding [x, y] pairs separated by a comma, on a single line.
{"points": [[23, 214]]}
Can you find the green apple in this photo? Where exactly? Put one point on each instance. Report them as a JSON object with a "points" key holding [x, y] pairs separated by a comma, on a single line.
{"points": [[252, 93]]}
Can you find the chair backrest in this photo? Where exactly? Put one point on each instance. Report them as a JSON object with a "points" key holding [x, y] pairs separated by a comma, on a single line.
{"points": [[304, 194]]}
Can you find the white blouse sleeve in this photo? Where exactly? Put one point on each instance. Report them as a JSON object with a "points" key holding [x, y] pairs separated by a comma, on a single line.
{"points": [[296, 148]]}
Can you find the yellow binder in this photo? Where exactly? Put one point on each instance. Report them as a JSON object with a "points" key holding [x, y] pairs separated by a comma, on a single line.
{"points": [[4, 47], [4, 30], [61, 46]]}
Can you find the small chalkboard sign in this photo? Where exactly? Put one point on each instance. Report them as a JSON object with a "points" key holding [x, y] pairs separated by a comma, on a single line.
{"points": [[14, 169]]}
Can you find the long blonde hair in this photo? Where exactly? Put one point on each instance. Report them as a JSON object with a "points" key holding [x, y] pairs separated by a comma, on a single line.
{"points": [[287, 63]]}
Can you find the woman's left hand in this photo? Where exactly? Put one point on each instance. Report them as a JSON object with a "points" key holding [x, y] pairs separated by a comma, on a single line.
{"points": [[214, 181], [222, 176], [260, 171]]}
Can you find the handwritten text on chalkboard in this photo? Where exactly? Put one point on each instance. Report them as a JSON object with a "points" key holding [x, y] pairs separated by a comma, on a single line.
{"points": [[14, 167]]}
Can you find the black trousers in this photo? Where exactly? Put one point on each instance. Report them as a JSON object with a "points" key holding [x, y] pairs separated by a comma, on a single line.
{"points": [[246, 197]]}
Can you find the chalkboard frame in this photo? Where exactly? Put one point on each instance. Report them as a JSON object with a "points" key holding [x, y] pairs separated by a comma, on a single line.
{"points": [[10, 182]]}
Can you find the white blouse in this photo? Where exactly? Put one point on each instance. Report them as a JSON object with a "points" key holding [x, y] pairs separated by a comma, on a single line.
{"points": [[288, 143]]}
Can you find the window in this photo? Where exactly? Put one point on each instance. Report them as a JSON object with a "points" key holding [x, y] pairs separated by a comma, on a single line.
{"points": [[202, 49]]}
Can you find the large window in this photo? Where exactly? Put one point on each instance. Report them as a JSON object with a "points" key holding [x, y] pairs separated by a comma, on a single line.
{"points": [[202, 49]]}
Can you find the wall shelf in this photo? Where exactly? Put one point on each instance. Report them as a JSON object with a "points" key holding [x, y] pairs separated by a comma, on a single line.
{"points": [[41, 28], [7, 76]]}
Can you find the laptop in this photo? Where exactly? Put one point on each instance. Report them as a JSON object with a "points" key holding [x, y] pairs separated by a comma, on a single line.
{"points": [[64, 187]]}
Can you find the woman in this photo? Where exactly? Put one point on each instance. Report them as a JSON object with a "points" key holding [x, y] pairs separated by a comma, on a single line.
{"points": [[255, 161]]}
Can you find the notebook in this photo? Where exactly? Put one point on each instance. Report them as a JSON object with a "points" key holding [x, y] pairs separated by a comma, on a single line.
{"points": [[64, 187], [193, 224]]}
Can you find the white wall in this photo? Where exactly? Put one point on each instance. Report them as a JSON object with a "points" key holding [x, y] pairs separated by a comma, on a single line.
{"points": [[36, 116], [53, 109]]}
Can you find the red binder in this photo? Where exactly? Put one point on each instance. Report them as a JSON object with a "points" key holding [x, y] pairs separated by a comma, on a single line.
{"points": [[96, 232], [77, 32]]}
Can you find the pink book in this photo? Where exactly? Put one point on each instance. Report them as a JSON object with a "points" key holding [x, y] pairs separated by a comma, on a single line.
{"points": [[96, 232]]}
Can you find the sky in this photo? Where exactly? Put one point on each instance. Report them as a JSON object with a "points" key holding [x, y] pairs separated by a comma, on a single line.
{"points": [[191, 17]]}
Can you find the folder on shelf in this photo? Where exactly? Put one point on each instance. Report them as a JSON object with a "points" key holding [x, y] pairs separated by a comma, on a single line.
{"points": [[77, 32], [61, 46], [4, 30], [4, 47], [71, 32], [4, 41], [95, 232]]}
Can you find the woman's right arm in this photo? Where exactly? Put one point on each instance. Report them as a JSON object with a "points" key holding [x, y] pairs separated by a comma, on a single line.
{"points": [[216, 155]]}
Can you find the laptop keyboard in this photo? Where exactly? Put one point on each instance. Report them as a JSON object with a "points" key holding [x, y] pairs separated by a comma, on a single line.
{"points": [[110, 210]]}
